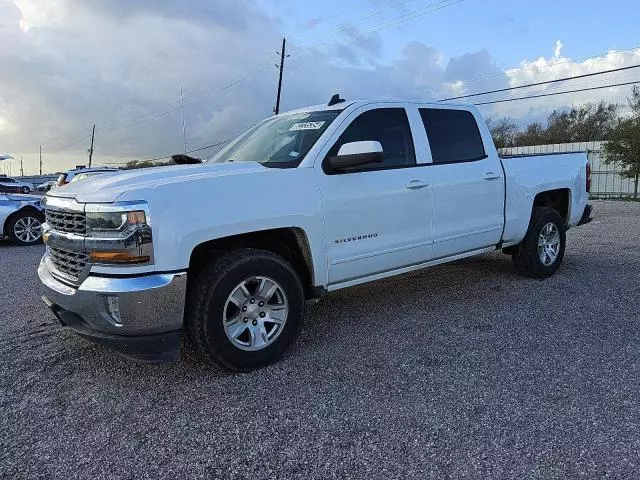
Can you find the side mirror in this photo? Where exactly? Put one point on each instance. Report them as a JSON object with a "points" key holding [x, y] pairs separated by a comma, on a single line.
{"points": [[357, 153]]}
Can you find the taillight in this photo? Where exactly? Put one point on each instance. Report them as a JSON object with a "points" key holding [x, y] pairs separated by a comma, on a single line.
{"points": [[588, 177]]}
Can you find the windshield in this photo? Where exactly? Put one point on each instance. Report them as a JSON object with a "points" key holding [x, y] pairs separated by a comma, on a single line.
{"points": [[280, 141]]}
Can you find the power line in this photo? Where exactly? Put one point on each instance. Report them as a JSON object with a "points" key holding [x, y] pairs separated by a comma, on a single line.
{"points": [[524, 69], [389, 23], [184, 127], [167, 156], [335, 15], [366, 17], [564, 79], [399, 20], [308, 52], [558, 93], [482, 103], [217, 144]]}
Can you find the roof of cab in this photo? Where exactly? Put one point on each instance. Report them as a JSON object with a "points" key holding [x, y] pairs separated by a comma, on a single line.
{"points": [[322, 107], [345, 104]]}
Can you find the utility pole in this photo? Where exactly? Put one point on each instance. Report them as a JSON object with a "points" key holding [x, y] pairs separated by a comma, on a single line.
{"points": [[283, 55], [40, 159], [184, 128], [93, 136], [21, 167]]}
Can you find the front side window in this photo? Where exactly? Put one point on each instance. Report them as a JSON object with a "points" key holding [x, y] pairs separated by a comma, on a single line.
{"points": [[453, 135], [390, 127], [281, 141]]}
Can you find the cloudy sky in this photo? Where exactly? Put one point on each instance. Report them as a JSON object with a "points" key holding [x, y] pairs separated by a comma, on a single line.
{"points": [[67, 64]]}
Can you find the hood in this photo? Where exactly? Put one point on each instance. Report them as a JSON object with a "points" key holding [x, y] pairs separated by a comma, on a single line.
{"points": [[107, 187], [19, 197]]}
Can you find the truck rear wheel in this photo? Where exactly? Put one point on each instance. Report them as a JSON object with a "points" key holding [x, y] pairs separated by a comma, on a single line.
{"points": [[541, 252], [245, 309]]}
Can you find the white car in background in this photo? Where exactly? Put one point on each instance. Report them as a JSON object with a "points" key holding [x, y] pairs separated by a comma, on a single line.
{"points": [[12, 185], [76, 174], [21, 218]]}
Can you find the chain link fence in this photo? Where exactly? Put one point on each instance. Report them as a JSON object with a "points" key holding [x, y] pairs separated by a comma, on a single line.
{"points": [[606, 180]]}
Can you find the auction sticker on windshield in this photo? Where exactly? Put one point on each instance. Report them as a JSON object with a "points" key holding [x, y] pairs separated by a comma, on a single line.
{"points": [[307, 126]]}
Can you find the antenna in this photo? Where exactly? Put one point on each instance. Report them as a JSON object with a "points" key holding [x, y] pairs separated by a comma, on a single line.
{"points": [[335, 100]]}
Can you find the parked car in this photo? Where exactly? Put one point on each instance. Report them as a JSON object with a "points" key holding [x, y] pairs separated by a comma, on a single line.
{"points": [[21, 218], [46, 186], [303, 203], [13, 185], [69, 175]]}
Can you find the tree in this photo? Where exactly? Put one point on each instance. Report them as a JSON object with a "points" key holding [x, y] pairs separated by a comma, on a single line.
{"points": [[593, 121], [534, 134], [503, 131], [581, 123], [623, 147]]}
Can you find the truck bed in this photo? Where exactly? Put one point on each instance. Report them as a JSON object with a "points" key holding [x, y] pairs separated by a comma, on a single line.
{"points": [[528, 175]]}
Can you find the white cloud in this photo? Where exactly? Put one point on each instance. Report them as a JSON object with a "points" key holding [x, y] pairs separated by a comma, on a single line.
{"points": [[40, 13], [557, 50], [545, 69]]}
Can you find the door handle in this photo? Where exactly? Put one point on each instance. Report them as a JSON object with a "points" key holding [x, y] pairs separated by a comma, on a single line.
{"points": [[416, 184], [491, 176]]}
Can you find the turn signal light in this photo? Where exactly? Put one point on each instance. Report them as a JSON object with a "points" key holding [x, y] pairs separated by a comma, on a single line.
{"points": [[118, 257], [137, 217], [588, 177]]}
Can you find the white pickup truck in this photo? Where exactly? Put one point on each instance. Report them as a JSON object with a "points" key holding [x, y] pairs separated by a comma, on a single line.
{"points": [[303, 203]]}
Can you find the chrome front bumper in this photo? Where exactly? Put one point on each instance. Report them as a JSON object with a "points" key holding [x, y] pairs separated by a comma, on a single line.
{"points": [[142, 314]]}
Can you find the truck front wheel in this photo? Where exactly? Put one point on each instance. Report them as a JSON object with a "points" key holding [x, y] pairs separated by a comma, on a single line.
{"points": [[541, 252], [245, 309]]}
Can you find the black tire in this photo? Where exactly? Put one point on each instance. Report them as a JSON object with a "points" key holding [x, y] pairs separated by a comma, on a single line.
{"points": [[526, 257], [25, 189], [14, 233], [206, 304]]}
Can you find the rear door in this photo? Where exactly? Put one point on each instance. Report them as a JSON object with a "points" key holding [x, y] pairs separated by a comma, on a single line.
{"points": [[468, 183], [377, 216]]}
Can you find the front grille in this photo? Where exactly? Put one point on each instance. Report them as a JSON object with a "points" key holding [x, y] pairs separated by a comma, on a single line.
{"points": [[70, 264], [67, 221]]}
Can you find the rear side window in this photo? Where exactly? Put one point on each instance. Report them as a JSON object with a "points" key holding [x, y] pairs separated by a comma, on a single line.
{"points": [[390, 127], [453, 135]]}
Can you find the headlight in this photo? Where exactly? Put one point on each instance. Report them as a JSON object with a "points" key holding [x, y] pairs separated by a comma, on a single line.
{"points": [[105, 224], [119, 234]]}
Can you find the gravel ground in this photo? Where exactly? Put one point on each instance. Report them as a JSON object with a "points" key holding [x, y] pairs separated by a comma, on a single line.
{"points": [[461, 371]]}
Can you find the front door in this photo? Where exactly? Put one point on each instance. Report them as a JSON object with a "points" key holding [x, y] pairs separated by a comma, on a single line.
{"points": [[377, 216]]}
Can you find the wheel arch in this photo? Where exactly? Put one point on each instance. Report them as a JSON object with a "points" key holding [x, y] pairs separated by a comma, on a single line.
{"points": [[291, 243], [559, 199]]}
